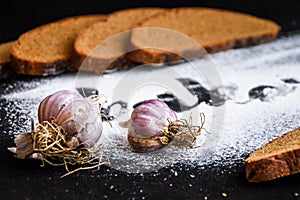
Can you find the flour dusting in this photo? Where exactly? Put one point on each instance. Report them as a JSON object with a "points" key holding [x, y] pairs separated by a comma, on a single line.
{"points": [[246, 123]]}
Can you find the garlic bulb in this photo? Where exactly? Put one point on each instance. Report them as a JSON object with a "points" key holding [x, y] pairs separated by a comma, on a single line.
{"points": [[148, 126], [78, 116], [67, 122], [154, 125], [151, 118]]}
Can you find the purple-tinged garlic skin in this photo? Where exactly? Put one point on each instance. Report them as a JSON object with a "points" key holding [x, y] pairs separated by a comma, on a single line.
{"points": [[147, 125], [151, 118], [79, 117], [54, 103]]}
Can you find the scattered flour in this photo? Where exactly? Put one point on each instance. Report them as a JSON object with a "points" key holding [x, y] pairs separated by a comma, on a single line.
{"points": [[235, 129]]}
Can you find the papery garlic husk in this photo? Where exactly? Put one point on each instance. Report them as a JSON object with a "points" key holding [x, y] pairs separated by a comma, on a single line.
{"points": [[145, 145]]}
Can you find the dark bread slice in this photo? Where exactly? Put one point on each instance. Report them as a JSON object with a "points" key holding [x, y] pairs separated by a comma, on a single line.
{"points": [[5, 70], [213, 29], [100, 46], [47, 49], [278, 158]]}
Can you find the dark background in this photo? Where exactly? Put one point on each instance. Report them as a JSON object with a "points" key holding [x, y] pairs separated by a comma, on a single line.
{"points": [[25, 179], [18, 16]]}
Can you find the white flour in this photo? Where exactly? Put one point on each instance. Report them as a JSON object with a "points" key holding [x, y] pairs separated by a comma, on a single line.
{"points": [[245, 126]]}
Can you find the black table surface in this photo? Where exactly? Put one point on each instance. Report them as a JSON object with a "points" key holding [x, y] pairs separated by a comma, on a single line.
{"points": [[25, 179]]}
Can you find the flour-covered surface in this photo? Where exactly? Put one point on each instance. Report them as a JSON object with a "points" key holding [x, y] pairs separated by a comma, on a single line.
{"points": [[259, 91]]}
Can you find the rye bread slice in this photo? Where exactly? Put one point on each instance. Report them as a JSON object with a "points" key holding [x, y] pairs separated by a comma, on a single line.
{"points": [[213, 29], [5, 70], [47, 49], [278, 158], [100, 45]]}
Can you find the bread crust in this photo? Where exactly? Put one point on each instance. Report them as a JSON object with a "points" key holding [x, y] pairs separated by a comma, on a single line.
{"points": [[276, 165], [142, 55], [80, 58], [5, 70], [273, 167], [26, 67], [84, 61], [48, 66]]}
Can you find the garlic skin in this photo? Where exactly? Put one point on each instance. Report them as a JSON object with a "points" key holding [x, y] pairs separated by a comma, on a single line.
{"points": [[151, 118], [147, 125], [145, 145], [79, 117]]}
